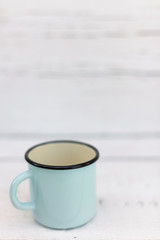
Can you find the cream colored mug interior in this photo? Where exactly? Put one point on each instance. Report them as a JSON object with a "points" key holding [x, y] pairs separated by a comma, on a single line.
{"points": [[61, 154]]}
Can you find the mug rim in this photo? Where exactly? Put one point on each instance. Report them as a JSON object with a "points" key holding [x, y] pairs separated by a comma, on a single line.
{"points": [[74, 166]]}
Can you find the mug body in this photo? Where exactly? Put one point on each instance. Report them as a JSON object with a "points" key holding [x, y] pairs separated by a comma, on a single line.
{"points": [[63, 199], [62, 183]]}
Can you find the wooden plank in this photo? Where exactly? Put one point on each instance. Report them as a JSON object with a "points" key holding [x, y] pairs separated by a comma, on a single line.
{"points": [[80, 106], [99, 6], [110, 150], [128, 205]]}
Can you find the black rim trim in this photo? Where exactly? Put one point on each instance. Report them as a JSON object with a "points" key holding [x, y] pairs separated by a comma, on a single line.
{"points": [[84, 164]]}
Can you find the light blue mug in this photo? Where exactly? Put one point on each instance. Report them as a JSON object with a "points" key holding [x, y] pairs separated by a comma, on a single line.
{"points": [[62, 183]]}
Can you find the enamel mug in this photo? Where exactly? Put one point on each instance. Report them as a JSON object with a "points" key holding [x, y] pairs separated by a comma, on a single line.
{"points": [[62, 183]]}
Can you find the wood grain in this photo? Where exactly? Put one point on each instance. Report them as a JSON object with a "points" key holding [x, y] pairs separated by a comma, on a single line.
{"points": [[110, 150], [79, 68], [114, 105]]}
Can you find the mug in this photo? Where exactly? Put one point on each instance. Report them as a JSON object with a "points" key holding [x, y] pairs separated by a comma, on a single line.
{"points": [[62, 183]]}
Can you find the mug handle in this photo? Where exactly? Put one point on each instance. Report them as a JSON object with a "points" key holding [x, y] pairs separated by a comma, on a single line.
{"points": [[13, 192]]}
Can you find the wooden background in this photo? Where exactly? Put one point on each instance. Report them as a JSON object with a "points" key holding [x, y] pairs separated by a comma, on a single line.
{"points": [[84, 70], [80, 70]]}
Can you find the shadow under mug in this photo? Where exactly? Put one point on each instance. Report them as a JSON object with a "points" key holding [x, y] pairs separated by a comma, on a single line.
{"points": [[62, 183]]}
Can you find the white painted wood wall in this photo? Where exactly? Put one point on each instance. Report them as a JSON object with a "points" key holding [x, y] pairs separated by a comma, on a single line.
{"points": [[85, 70], [79, 67]]}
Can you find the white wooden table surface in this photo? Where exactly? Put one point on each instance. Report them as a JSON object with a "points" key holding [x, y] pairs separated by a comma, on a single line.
{"points": [[128, 195]]}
